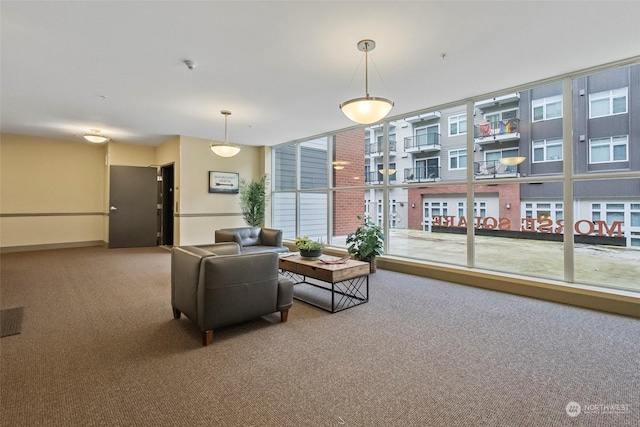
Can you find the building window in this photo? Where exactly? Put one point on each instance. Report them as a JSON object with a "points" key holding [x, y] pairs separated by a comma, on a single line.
{"points": [[547, 108], [457, 159], [611, 149], [608, 103], [542, 211], [381, 172], [635, 225], [458, 125], [547, 150], [496, 118], [479, 209]]}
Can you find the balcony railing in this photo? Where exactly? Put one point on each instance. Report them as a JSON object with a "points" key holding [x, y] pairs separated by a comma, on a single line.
{"points": [[377, 177], [494, 169], [503, 130], [377, 149], [422, 174], [422, 143]]}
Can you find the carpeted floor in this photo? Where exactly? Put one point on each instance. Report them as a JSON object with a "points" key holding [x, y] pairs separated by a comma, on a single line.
{"points": [[10, 321], [100, 347]]}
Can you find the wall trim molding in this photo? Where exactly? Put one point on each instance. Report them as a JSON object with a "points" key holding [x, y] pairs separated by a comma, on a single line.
{"points": [[48, 246], [203, 215], [36, 214]]}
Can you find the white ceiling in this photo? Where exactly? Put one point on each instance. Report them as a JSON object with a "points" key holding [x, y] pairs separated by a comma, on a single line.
{"points": [[281, 67]]}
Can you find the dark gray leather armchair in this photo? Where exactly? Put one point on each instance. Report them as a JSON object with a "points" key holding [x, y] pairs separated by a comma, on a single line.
{"points": [[215, 286]]}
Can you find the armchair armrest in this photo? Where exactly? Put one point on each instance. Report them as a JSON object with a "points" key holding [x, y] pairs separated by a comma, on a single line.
{"points": [[271, 237], [285, 293], [228, 236]]}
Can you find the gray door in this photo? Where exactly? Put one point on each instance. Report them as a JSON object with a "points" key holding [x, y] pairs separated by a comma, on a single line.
{"points": [[133, 208]]}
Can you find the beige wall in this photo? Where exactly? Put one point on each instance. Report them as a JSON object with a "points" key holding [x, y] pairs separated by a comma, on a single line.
{"points": [[122, 154], [56, 192], [51, 191], [201, 212]]}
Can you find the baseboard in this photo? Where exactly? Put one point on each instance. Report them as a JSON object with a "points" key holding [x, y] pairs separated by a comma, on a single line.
{"points": [[610, 300], [47, 246]]}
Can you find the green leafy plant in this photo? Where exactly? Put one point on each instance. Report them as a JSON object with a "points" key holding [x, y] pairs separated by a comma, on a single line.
{"points": [[253, 200], [367, 241], [306, 244]]}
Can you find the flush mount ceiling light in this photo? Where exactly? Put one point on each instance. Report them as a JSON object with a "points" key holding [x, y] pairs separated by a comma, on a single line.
{"points": [[369, 109], [95, 137], [224, 149], [512, 161]]}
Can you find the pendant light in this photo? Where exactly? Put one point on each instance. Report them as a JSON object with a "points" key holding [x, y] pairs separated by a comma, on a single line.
{"points": [[512, 161], [95, 137], [368, 109], [224, 149]]}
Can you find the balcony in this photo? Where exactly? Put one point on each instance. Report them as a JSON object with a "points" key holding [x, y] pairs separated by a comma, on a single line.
{"points": [[494, 169], [423, 117], [498, 100], [377, 178], [422, 174], [377, 149], [422, 143], [500, 131]]}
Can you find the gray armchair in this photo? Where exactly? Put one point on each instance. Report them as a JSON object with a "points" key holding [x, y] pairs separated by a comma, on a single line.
{"points": [[216, 286]]}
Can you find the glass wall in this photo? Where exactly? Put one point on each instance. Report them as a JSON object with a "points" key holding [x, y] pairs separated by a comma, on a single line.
{"points": [[412, 175]]}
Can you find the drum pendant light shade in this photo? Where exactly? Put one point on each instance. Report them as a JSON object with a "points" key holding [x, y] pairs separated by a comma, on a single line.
{"points": [[368, 109]]}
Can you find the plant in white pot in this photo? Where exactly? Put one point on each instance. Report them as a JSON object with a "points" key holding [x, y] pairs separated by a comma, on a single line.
{"points": [[308, 248], [366, 242]]}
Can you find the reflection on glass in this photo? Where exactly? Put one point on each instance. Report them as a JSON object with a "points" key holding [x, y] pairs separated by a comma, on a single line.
{"points": [[284, 213], [284, 168], [313, 216], [418, 223], [313, 164], [347, 206], [515, 233], [607, 232], [350, 152]]}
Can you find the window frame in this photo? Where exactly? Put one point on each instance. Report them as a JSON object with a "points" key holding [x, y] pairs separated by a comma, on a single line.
{"points": [[611, 145], [456, 119], [457, 156], [545, 103], [611, 96], [545, 143]]}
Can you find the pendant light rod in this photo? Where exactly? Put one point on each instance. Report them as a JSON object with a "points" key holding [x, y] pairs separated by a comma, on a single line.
{"points": [[225, 149], [226, 114], [366, 46]]}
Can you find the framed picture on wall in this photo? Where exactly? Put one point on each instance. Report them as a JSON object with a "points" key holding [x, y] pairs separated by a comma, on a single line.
{"points": [[223, 182]]}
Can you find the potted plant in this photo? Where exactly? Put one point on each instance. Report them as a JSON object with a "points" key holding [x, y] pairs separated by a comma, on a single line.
{"points": [[308, 248], [366, 242], [253, 200]]}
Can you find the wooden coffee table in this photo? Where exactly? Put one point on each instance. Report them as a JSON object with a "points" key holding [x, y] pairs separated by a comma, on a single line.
{"points": [[348, 283]]}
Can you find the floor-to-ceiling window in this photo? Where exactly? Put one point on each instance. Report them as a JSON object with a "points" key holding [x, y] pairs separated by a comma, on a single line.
{"points": [[541, 182]]}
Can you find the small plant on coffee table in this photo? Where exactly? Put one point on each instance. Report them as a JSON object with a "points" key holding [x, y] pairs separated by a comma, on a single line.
{"points": [[309, 248]]}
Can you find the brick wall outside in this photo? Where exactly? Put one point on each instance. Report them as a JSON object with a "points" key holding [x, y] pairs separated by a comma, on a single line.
{"points": [[506, 193], [348, 204]]}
